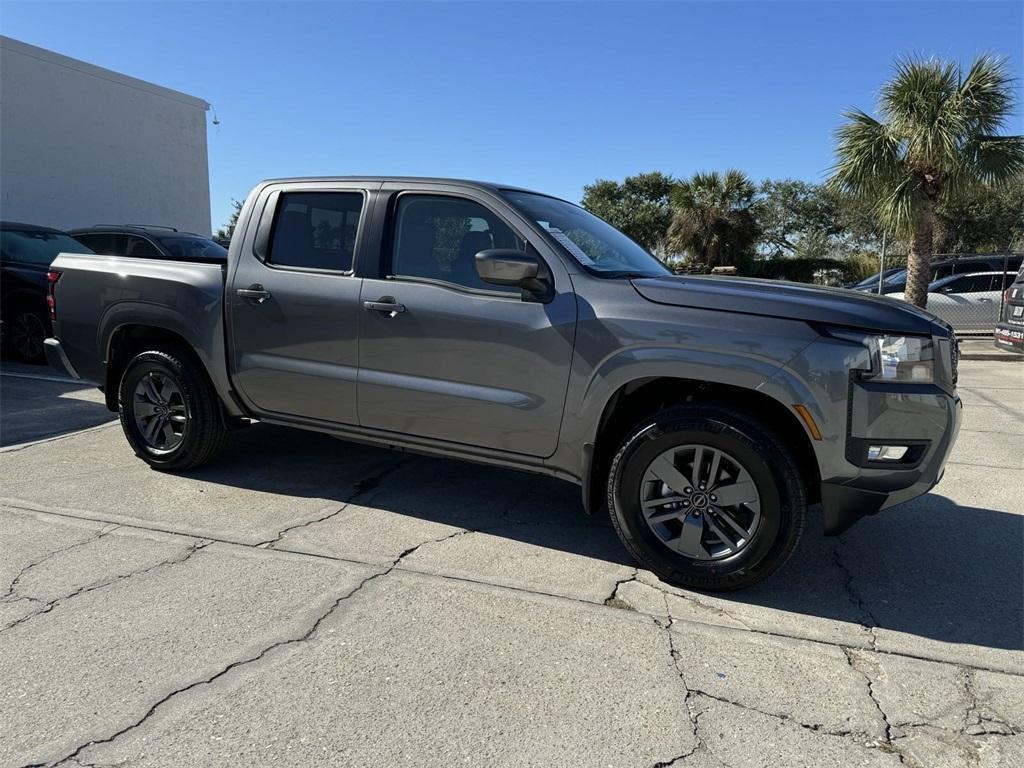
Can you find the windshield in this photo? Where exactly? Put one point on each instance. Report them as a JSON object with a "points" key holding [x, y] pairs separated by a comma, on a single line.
{"points": [[897, 278], [37, 246], [185, 247], [593, 242]]}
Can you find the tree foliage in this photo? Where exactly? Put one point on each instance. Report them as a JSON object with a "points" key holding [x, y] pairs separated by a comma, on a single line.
{"points": [[639, 206], [713, 218], [228, 230], [937, 139]]}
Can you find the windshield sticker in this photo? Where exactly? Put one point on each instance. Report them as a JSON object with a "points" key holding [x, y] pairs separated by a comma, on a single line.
{"points": [[571, 247]]}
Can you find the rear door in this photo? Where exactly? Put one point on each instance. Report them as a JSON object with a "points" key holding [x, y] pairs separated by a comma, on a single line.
{"points": [[293, 301], [460, 360]]}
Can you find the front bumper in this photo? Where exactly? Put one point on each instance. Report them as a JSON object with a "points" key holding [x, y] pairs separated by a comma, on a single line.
{"points": [[924, 416], [58, 359]]}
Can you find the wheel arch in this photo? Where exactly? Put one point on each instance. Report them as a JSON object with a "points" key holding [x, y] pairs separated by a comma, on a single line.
{"points": [[640, 398], [129, 339]]}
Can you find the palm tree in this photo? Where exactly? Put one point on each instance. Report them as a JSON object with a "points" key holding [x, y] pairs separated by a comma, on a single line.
{"points": [[937, 137], [712, 218]]}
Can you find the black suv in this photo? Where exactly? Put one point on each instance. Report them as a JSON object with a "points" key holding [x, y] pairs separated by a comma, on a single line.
{"points": [[896, 281], [26, 252], [1010, 330], [147, 241]]}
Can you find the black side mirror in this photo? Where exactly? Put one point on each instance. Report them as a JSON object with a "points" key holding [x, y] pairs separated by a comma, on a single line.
{"points": [[505, 266]]}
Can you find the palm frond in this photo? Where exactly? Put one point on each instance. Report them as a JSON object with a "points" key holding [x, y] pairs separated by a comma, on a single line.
{"points": [[868, 155], [994, 159], [985, 97], [898, 209]]}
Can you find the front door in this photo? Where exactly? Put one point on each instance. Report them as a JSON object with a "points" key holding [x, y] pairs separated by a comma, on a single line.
{"points": [[294, 309], [446, 356]]}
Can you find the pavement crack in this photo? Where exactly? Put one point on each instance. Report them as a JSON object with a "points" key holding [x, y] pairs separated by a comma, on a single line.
{"points": [[867, 618], [48, 606], [11, 593], [613, 600], [892, 732], [360, 488], [74, 755]]}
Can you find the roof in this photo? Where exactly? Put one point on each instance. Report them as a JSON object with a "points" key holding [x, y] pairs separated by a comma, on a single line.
{"points": [[17, 226], [57, 59], [485, 185], [150, 229]]}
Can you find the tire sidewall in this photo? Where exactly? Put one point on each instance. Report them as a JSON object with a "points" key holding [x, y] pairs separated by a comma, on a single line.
{"points": [[771, 541], [166, 365]]}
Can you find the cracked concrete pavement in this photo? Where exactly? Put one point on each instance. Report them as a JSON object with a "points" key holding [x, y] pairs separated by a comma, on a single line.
{"points": [[308, 601]]}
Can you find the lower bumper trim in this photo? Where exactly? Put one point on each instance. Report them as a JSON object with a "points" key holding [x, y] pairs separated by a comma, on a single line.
{"points": [[844, 505], [57, 359]]}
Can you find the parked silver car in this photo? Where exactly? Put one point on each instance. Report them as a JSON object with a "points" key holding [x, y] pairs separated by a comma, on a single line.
{"points": [[967, 302]]}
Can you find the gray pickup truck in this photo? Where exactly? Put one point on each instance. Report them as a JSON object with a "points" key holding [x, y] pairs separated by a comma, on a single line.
{"points": [[498, 325]]}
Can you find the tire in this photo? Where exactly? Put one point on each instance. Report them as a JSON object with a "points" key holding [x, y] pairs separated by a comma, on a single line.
{"points": [[24, 332], [681, 544], [189, 430]]}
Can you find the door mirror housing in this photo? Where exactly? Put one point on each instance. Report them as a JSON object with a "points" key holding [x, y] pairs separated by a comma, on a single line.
{"points": [[507, 266]]}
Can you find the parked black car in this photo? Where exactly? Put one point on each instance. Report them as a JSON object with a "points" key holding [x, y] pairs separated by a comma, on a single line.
{"points": [[1010, 329], [26, 251], [896, 281], [148, 241]]}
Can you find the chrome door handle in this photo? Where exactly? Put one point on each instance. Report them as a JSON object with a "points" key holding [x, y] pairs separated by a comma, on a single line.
{"points": [[986, 301], [385, 304], [255, 292]]}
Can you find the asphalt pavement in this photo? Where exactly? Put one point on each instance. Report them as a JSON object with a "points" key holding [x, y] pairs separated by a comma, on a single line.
{"points": [[306, 601]]}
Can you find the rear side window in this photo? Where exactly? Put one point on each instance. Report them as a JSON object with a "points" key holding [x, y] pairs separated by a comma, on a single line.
{"points": [[140, 247], [316, 230], [437, 238], [100, 242]]}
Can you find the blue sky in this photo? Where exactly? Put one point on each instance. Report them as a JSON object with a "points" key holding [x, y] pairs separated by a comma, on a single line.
{"points": [[543, 95]]}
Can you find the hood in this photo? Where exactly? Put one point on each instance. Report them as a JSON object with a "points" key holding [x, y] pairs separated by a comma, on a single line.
{"points": [[794, 301]]}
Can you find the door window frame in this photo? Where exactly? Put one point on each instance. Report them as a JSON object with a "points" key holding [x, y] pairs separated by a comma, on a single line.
{"points": [[389, 242], [272, 206]]}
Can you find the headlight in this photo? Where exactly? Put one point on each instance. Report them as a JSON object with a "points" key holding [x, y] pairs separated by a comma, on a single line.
{"points": [[894, 358], [902, 358]]}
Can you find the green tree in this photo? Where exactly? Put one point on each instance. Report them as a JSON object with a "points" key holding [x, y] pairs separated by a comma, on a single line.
{"points": [[228, 230], [797, 218], [713, 219], [938, 136], [639, 206], [989, 220]]}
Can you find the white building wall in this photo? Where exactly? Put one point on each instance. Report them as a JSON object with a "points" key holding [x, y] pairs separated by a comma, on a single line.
{"points": [[81, 145]]}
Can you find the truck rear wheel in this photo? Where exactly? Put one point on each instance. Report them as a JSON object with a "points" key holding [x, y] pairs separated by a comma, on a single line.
{"points": [[169, 410], [705, 498]]}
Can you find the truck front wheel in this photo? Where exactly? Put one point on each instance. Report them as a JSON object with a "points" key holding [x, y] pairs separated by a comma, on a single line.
{"points": [[705, 498], [169, 411]]}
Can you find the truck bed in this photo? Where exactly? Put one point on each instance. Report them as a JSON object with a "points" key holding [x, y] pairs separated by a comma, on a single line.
{"points": [[97, 296]]}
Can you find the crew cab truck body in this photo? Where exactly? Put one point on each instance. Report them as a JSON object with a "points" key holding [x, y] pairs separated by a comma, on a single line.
{"points": [[503, 326]]}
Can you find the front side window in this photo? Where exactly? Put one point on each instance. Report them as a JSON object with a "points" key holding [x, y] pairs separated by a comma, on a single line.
{"points": [[437, 238], [591, 241], [316, 230], [969, 284]]}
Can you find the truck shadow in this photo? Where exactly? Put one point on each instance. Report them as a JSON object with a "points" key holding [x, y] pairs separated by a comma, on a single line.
{"points": [[929, 568], [34, 408]]}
